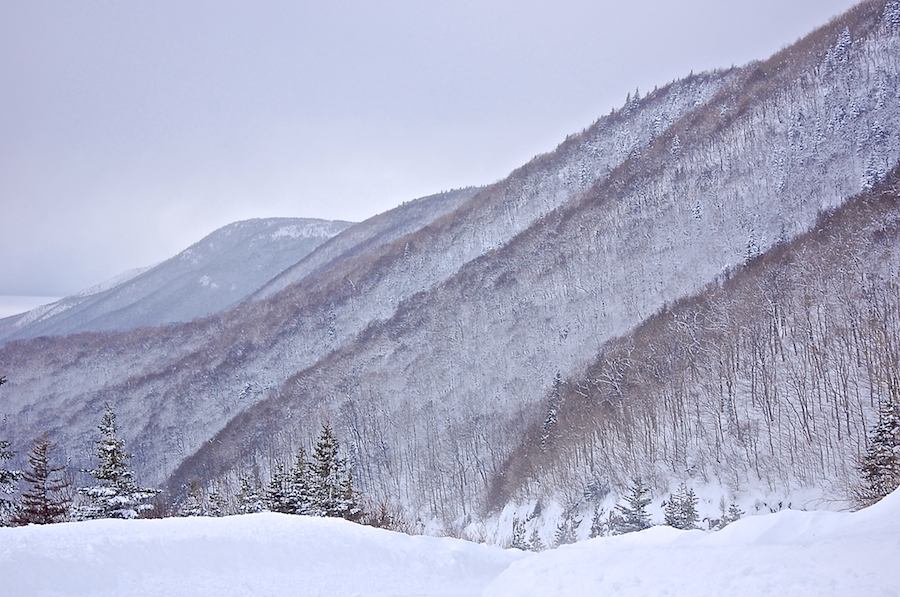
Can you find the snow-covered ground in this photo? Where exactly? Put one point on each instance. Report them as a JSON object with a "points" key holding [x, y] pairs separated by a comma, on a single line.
{"points": [[788, 553]]}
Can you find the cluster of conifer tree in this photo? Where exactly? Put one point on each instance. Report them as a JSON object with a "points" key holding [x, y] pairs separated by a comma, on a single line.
{"points": [[50, 497], [880, 467], [318, 486], [322, 486], [629, 516]]}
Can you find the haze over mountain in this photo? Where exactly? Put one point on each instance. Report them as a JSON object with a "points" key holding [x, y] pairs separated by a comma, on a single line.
{"points": [[446, 345], [212, 275]]}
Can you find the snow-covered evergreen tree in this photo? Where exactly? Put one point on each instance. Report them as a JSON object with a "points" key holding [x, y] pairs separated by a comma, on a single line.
{"points": [[290, 491], [115, 494], [599, 523], [881, 465], [300, 498], [632, 516], [565, 532], [331, 481], [48, 498], [278, 491], [518, 535], [734, 513], [534, 542], [251, 499], [192, 505], [215, 501], [8, 479], [681, 509]]}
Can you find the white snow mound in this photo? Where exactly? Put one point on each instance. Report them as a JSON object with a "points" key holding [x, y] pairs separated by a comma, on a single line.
{"points": [[789, 553]]}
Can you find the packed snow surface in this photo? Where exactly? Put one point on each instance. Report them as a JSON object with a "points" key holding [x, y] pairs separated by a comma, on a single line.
{"points": [[788, 553]]}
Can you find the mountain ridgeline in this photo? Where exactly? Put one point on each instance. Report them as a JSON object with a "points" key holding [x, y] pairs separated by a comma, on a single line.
{"points": [[699, 287], [210, 276]]}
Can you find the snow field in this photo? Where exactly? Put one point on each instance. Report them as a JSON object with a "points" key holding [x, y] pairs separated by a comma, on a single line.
{"points": [[789, 553]]}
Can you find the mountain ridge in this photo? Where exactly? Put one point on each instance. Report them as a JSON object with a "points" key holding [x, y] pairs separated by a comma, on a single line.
{"points": [[211, 275]]}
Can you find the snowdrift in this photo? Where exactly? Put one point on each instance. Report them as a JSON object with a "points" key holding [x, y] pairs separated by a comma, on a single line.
{"points": [[789, 553]]}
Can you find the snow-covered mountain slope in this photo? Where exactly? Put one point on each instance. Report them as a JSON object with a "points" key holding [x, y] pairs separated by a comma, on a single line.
{"points": [[432, 351], [822, 554], [434, 398], [380, 230], [181, 385], [767, 380], [212, 275]]}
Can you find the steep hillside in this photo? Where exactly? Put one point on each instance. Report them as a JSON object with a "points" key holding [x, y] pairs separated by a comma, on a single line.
{"points": [[212, 275], [431, 340], [768, 380], [382, 229], [434, 399]]}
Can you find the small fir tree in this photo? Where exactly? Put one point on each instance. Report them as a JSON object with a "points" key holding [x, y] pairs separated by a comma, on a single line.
{"points": [[880, 467], [290, 492], [565, 532], [734, 514], [8, 482], [215, 501], [115, 494], [48, 498], [192, 505], [331, 481], [633, 515], [278, 490], [301, 495], [518, 535], [251, 499], [534, 542], [599, 524], [681, 509]]}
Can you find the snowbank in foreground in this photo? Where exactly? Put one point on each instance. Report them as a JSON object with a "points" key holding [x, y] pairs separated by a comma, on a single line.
{"points": [[258, 555], [789, 553]]}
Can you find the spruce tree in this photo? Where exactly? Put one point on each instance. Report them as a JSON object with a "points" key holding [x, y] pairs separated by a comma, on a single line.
{"points": [[300, 495], [192, 505], [115, 494], [331, 481], [251, 499], [535, 543], [565, 532], [734, 513], [599, 526], [8, 478], [8, 482], [681, 509], [215, 502], [291, 491], [518, 536], [633, 515], [48, 498], [278, 490], [880, 468]]}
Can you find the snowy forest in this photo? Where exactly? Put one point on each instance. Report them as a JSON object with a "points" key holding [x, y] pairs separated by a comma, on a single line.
{"points": [[685, 314]]}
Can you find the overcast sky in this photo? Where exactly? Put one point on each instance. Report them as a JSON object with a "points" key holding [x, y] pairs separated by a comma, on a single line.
{"points": [[129, 130]]}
